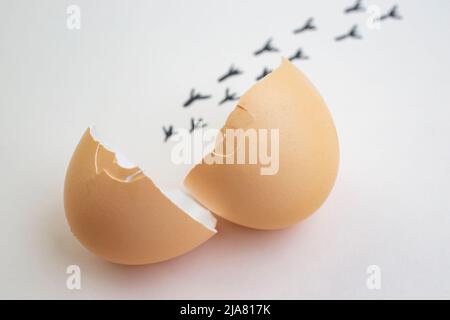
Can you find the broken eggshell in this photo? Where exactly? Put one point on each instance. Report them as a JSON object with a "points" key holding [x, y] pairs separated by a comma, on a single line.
{"points": [[308, 156], [119, 214]]}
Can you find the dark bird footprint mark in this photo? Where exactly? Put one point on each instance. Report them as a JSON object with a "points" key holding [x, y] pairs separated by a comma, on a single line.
{"points": [[266, 48], [357, 7], [392, 14], [264, 73], [231, 72], [299, 55], [228, 97], [353, 33], [168, 132], [194, 97], [308, 26], [197, 124]]}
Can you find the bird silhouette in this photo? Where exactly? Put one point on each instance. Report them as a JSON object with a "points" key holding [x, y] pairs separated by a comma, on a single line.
{"points": [[308, 26], [266, 48], [357, 7], [193, 97], [393, 14], [231, 72], [299, 55], [168, 132], [197, 124], [264, 73], [353, 33], [228, 97]]}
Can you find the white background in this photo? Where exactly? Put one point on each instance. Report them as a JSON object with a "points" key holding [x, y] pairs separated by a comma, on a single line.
{"points": [[130, 68]]}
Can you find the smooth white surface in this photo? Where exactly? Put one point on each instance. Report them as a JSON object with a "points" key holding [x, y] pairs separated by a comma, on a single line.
{"points": [[129, 70]]}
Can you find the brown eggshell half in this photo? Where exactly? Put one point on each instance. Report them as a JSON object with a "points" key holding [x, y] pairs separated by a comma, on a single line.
{"points": [[308, 156], [120, 215]]}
